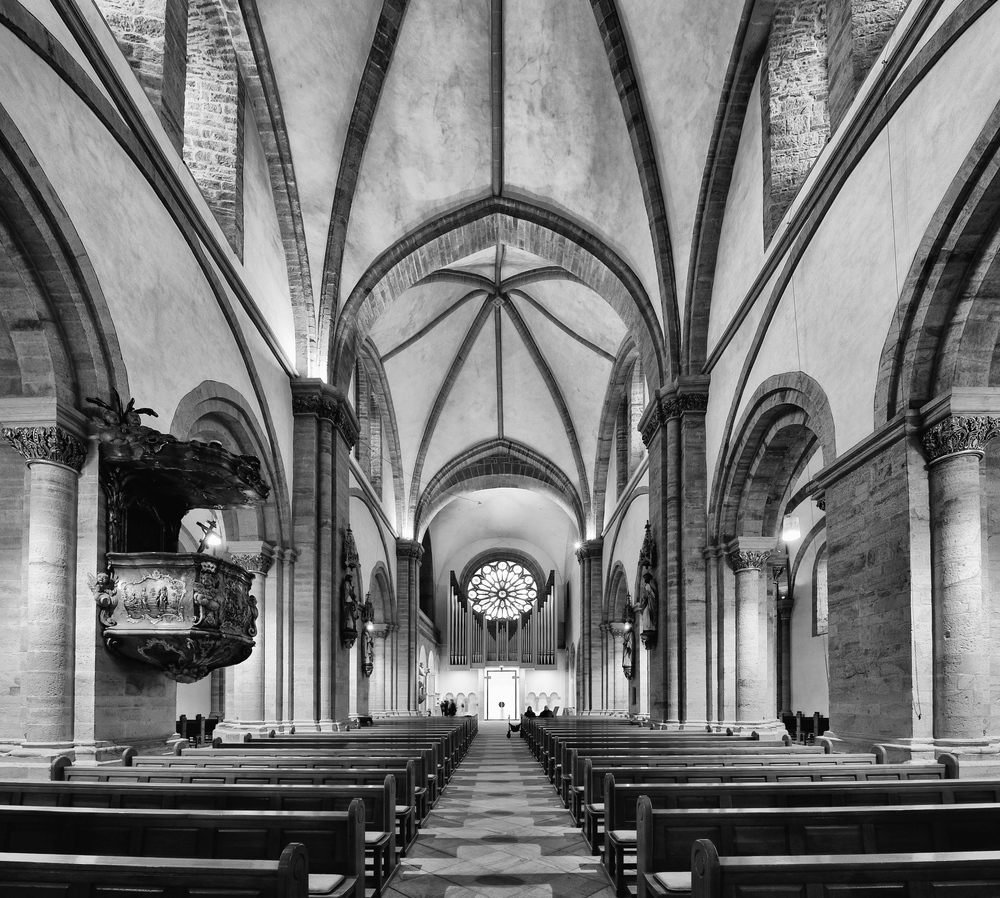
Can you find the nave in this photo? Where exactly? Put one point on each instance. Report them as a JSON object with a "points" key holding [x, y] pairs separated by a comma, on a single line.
{"points": [[499, 830]]}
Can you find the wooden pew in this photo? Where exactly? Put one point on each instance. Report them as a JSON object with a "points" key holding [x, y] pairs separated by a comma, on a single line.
{"points": [[665, 838], [838, 769], [621, 800], [964, 874], [438, 764], [334, 841], [73, 876], [379, 801], [277, 755], [64, 771], [585, 789]]}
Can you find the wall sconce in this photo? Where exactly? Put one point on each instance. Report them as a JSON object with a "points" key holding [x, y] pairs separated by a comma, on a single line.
{"points": [[628, 638], [211, 539], [790, 528], [367, 640]]}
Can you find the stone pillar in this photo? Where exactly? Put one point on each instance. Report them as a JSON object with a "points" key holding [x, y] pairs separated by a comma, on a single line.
{"points": [[589, 658], [785, 604], [325, 430], [377, 681], [54, 458], [408, 555], [618, 697], [962, 647], [673, 429], [286, 681], [748, 557], [248, 676]]}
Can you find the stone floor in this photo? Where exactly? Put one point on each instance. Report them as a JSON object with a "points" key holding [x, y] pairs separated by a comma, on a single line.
{"points": [[499, 830]]}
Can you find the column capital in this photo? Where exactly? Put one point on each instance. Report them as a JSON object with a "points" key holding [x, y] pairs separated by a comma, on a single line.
{"points": [[749, 553], [688, 396], [958, 434], [47, 444], [591, 548], [257, 563], [381, 631], [409, 548], [311, 396]]}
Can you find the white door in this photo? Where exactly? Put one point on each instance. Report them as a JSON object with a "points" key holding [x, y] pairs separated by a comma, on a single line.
{"points": [[501, 686]]}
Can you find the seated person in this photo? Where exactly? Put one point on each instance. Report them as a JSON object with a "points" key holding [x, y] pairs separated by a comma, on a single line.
{"points": [[546, 712], [529, 712]]}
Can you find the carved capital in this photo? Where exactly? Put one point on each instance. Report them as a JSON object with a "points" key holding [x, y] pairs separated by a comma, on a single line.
{"points": [[959, 433], [676, 406], [748, 560], [651, 424], [409, 548], [592, 548], [48, 444], [253, 562], [381, 631], [312, 397]]}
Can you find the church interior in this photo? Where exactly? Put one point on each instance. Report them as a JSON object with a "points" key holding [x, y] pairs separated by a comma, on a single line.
{"points": [[637, 360]]}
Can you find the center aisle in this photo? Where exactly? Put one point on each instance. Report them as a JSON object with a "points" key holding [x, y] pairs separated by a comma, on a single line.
{"points": [[499, 830]]}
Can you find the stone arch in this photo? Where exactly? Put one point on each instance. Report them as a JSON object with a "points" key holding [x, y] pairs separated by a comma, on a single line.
{"points": [[787, 419], [54, 318], [930, 345], [475, 227], [214, 410], [378, 385], [494, 464], [616, 594], [382, 594], [606, 432]]}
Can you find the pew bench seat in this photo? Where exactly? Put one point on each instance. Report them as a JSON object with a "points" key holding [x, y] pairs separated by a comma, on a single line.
{"points": [[968, 874], [75, 876], [665, 839]]}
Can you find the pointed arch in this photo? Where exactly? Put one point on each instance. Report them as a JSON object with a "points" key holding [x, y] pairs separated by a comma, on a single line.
{"points": [[477, 226], [495, 464]]}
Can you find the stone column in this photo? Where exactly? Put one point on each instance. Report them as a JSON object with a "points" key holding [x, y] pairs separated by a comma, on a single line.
{"points": [[408, 555], [962, 647], [748, 557], [286, 680], [673, 429], [54, 458], [589, 658], [325, 431], [377, 681], [248, 677], [618, 697], [785, 604]]}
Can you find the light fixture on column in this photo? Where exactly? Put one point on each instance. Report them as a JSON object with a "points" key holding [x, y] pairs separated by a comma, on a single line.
{"points": [[790, 528], [367, 640]]}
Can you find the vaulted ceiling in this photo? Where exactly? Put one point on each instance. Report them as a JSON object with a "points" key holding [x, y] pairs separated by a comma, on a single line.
{"points": [[594, 116]]}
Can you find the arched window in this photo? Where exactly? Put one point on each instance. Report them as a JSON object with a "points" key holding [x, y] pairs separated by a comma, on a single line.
{"points": [[502, 590]]}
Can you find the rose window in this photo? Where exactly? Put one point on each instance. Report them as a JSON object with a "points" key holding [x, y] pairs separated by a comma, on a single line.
{"points": [[502, 590]]}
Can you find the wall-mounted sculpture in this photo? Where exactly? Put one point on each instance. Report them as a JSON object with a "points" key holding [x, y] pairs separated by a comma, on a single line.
{"points": [[648, 604]]}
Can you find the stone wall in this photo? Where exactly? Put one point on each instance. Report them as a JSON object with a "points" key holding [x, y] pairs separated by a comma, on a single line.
{"points": [[13, 524], [153, 36], [879, 598], [213, 118], [858, 30], [793, 98]]}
